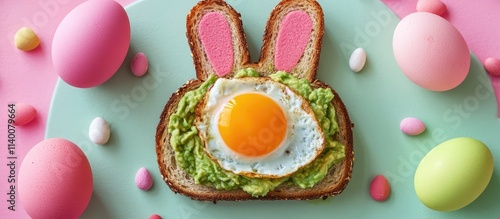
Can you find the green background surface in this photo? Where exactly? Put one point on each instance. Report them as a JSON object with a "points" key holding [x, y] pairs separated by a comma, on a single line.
{"points": [[377, 98]]}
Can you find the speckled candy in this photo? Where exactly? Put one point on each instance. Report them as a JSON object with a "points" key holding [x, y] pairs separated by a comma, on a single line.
{"points": [[143, 179], [25, 113], [91, 43], [139, 64], [492, 65], [55, 180], [412, 126]]}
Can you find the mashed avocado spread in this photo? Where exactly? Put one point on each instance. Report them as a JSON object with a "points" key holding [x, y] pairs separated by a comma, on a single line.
{"points": [[191, 157]]}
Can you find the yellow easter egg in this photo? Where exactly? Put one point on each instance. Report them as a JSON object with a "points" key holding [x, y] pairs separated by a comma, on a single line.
{"points": [[453, 174]]}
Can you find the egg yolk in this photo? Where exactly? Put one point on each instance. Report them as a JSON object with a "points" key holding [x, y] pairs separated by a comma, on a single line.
{"points": [[252, 124]]}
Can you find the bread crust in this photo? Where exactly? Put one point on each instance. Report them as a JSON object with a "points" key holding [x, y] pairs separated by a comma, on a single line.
{"points": [[201, 62], [177, 179], [308, 63]]}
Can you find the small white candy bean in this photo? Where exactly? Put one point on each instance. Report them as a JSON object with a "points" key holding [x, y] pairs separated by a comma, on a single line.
{"points": [[357, 60], [99, 131]]}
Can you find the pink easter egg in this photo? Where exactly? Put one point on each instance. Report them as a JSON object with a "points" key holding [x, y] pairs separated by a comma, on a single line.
{"points": [[431, 52], [91, 43], [55, 180]]}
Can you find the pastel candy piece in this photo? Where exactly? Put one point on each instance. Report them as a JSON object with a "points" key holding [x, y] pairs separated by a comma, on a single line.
{"points": [[143, 179], [24, 113], [380, 188], [155, 216], [412, 126], [357, 60], [91, 43], [139, 64], [433, 6], [431, 52], [99, 131], [293, 36], [26, 39], [492, 65], [215, 36], [55, 180]]}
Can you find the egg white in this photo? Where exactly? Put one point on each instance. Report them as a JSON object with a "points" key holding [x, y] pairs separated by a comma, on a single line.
{"points": [[303, 142]]}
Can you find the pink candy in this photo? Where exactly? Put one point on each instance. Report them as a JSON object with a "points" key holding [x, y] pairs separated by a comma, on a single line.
{"points": [[492, 65], [380, 188], [143, 179], [433, 6], [25, 113], [155, 216], [412, 126], [139, 64]]}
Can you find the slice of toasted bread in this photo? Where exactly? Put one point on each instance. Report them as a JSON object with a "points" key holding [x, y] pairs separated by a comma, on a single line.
{"points": [[333, 184], [307, 64], [201, 62], [178, 180]]}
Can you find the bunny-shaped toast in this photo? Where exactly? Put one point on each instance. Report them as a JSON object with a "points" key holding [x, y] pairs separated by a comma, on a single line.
{"points": [[292, 43]]}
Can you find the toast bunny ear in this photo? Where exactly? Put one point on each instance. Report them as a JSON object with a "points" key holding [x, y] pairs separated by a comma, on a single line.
{"points": [[215, 35], [292, 39]]}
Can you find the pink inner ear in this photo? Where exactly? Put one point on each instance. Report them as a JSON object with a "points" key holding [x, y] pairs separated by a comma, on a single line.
{"points": [[215, 36], [293, 36]]}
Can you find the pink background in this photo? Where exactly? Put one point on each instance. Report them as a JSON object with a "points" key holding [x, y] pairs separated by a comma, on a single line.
{"points": [[29, 76]]}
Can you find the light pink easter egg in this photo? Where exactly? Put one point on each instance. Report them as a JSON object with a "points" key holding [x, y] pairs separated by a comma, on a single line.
{"points": [[431, 52]]}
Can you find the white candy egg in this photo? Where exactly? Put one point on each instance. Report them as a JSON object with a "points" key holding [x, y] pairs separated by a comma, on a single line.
{"points": [[99, 131], [357, 60]]}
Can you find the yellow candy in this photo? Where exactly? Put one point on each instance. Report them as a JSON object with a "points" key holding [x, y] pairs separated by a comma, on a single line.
{"points": [[26, 40]]}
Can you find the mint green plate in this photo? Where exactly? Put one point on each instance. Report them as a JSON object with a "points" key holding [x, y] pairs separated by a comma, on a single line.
{"points": [[377, 98]]}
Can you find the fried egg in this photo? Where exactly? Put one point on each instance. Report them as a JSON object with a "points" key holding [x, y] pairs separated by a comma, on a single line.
{"points": [[257, 127]]}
